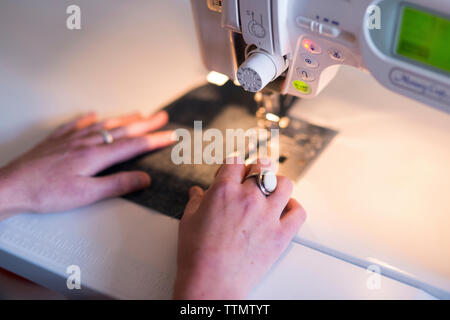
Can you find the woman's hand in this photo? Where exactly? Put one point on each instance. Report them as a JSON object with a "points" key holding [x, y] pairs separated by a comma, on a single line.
{"points": [[58, 174], [232, 234]]}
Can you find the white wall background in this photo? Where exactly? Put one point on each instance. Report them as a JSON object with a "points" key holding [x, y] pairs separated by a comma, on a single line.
{"points": [[129, 55]]}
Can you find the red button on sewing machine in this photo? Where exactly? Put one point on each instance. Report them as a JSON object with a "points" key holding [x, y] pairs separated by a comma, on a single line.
{"points": [[311, 46]]}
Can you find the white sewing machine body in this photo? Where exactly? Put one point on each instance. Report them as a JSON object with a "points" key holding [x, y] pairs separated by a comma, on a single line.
{"points": [[297, 46]]}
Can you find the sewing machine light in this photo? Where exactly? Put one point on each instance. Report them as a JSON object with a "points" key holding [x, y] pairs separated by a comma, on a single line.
{"points": [[272, 117], [217, 78]]}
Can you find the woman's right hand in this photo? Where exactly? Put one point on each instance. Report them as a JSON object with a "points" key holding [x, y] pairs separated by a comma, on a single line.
{"points": [[59, 173], [231, 234]]}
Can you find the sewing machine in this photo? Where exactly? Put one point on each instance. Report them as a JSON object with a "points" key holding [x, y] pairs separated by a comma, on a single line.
{"points": [[377, 197], [296, 47]]}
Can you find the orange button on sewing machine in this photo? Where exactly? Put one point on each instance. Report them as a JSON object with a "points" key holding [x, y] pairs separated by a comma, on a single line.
{"points": [[311, 46]]}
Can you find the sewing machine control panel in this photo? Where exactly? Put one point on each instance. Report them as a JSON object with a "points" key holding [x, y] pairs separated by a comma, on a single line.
{"points": [[316, 59]]}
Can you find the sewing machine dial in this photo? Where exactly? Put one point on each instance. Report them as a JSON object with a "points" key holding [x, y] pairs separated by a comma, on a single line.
{"points": [[249, 79], [259, 69]]}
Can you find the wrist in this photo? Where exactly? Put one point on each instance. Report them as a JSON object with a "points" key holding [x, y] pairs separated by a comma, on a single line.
{"points": [[12, 197], [198, 286]]}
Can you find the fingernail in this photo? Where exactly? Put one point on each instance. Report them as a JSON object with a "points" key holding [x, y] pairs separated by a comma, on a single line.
{"points": [[265, 161], [158, 114], [162, 112], [173, 136], [193, 191], [304, 216], [143, 180]]}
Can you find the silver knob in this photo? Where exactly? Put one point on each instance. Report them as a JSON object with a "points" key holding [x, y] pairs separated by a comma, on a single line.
{"points": [[259, 69]]}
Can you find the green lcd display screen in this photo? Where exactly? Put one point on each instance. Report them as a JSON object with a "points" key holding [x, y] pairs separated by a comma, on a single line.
{"points": [[424, 37]]}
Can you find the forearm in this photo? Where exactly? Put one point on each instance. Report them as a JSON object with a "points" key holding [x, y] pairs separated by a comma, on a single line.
{"points": [[12, 197]]}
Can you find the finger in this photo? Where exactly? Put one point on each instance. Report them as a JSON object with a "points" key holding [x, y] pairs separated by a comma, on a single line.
{"points": [[116, 185], [135, 129], [139, 128], [109, 124], [233, 169], [122, 121], [282, 194], [105, 156], [292, 218], [77, 124], [260, 165], [195, 198]]}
